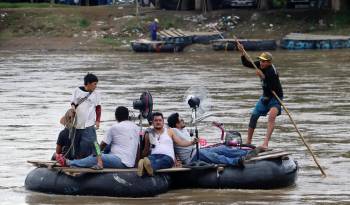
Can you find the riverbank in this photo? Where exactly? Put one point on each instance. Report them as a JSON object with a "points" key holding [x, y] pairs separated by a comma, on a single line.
{"points": [[112, 27]]}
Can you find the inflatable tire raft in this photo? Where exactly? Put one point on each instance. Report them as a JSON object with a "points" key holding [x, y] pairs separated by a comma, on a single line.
{"points": [[117, 184], [264, 174]]}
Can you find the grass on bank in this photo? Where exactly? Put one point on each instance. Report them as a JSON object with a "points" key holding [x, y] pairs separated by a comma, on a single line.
{"points": [[115, 42], [34, 24], [4, 5]]}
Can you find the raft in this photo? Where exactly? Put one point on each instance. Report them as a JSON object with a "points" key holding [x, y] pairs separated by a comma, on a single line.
{"points": [[116, 183], [156, 46], [249, 44], [276, 172], [272, 169], [204, 37], [298, 41]]}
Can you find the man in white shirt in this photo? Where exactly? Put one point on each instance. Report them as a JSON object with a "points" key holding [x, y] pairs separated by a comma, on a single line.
{"points": [[123, 137], [86, 102]]}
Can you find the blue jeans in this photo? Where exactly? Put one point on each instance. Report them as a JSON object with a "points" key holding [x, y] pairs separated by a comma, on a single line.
{"points": [[84, 142], [221, 155], [154, 35], [160, 161], [109, 161]]}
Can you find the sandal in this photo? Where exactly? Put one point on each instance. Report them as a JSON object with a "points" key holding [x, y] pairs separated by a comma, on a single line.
{"points": [[96, 167]]}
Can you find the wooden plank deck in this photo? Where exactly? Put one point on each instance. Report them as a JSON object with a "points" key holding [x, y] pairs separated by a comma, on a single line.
{"points": [[181, 33], [269, 156], [77, 170]]}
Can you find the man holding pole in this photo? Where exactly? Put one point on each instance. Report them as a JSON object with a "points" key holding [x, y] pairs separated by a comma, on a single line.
{"points": [[267, 103], [272, 89]]}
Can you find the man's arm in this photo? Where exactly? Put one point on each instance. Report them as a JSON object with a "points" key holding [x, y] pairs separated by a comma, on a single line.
{"points": [[179, 141], [98, 116], [244, 59]]}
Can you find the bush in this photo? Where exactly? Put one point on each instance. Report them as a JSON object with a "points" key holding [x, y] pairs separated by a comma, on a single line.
{"points": [[83, 23]]}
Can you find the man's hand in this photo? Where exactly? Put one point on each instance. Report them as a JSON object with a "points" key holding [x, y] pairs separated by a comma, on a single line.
{"points": [[259, 73], [194, 141]]}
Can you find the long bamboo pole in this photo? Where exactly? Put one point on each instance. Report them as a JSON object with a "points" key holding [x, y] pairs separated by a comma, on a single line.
{"points": [[290, 117]]}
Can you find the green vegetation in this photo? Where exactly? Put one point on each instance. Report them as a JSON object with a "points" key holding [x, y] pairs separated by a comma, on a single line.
{"points": [[171, 22], [29, 5], [84, 23], [342, 19], [36, 24], [279, 3]]}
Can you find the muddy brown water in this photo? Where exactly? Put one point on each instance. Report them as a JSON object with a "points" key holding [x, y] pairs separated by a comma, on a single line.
{"points": [[36, 86]]}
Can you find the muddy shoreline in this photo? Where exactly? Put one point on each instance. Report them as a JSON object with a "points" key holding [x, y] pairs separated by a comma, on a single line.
{"points": [[110, 28]]}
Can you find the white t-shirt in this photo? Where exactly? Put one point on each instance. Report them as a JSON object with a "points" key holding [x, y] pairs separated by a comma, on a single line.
{"points": [[124, 139], [86, 111]]}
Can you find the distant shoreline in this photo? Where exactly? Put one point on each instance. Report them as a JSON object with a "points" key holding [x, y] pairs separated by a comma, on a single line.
{"points": [[105, 28]]}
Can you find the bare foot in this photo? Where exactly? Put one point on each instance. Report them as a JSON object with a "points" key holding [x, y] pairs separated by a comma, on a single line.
{"points": [[263, 148]]}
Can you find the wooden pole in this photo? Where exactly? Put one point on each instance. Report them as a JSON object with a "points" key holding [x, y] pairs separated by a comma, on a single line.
{"points": [[290, 117], [178, 4], [137, 8], [300, 135]]}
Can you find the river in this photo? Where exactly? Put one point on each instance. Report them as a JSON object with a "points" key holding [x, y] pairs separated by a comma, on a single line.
{"points": [[36, 87]]}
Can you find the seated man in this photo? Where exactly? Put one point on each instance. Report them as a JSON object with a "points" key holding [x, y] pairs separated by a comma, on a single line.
{"points": [[161, 142], [221, 154], [124, 140]]}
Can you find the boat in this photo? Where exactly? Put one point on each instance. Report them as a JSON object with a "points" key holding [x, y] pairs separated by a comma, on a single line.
{"points": [[85, 181], [271, 169], [175, 36], [204, 37], [249, 44], [144, 45], [298, 41], [268, 171]]}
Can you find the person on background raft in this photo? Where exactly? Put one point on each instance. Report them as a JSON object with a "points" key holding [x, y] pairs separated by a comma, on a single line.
{"points": [[221, 154], [63, 142], [153, 28], [267, 103], [123, 137], [160, 142], [86, 103]]}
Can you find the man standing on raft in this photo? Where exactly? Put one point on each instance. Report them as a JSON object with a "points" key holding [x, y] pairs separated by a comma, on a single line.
{"points": [[267, 103]]}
